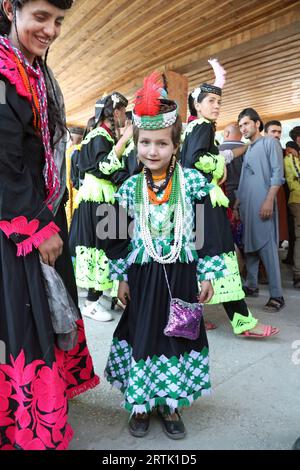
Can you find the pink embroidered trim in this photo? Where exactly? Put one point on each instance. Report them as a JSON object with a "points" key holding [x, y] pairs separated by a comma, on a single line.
{"points": [[10, 71], [77, 390], [33, 405], [19, 225], [26, 247]]}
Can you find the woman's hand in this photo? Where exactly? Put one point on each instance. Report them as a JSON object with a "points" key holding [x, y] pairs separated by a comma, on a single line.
{"points": [[123, 292], [224, 177], [120, 146], [51, 249], [206, 292], [128, 132]]}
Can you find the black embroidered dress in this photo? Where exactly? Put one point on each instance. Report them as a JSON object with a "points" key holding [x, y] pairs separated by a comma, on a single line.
{"points": [[36, 378]]}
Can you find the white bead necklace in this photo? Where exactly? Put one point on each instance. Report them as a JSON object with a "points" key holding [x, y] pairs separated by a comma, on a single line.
{"points": [[179, 215]]}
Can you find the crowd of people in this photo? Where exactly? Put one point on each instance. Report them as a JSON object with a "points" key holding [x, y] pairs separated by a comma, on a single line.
{"points": [[151, 176]]}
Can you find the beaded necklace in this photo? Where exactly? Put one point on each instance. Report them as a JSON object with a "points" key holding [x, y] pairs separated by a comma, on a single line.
{"points": [[297, 170], [153, 197], [38, 94], [176, 210], [150, 180], [159, 177]]}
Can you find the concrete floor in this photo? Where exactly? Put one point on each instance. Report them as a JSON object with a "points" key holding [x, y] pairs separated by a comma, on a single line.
{"points": [[255, 400]]}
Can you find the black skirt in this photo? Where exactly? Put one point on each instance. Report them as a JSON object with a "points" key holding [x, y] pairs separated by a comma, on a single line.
{"points": [[150, 368], [36, 378]]}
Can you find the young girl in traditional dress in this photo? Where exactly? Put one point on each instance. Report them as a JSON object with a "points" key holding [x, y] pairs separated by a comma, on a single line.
{"points": [[151, 369], [199, 151], [36, 377], [100, 161]]}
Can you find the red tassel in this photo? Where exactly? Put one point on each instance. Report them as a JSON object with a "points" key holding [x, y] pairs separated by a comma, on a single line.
{"points": [[147, 101]]}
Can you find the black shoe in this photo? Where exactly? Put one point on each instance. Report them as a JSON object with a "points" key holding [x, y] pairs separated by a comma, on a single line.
{"points": [[139, 424], [251, 291], [173, 429]]}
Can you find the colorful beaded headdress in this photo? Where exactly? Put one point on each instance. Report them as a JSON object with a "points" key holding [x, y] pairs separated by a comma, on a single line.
{"points": [[216, 88], [149, 101]]}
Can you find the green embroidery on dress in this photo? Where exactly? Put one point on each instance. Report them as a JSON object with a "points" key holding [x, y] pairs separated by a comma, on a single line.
{"points": [[129, 148], [210, 163], [114, 289], [228, 288], [92, 269], [174, 382], [118, 269], [214, 164], [96, 190], [99, 131], [197, 187], [112, 164], [210, 268], [240, 323]]}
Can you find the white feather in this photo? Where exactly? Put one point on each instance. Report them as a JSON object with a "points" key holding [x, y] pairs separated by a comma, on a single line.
{"points": [[219, 72]]}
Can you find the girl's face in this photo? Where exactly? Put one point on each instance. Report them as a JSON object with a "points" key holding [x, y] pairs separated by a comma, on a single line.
{"points": [[210, 107], [120, 117], [38, 25], [155, 149]]}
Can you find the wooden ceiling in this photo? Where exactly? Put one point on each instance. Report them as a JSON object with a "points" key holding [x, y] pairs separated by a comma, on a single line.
{"points": [[108, 45]]}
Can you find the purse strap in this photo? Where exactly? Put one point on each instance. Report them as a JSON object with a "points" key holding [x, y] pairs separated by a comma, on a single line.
{"points": [[167, 281]]}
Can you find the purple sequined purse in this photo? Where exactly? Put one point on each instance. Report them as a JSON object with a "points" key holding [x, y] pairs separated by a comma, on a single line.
{"points": [[184, 317]]}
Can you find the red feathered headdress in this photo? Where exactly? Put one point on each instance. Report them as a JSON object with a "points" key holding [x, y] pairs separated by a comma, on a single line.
{"points": [[147, 99]]}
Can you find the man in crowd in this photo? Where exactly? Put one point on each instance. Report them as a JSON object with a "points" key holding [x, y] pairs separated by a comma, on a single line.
{"points": [[261, 178], [232, 140], [273, 129]]}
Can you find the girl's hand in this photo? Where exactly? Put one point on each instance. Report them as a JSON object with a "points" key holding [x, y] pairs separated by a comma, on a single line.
{"points": [[206, 292], [123, 292]]}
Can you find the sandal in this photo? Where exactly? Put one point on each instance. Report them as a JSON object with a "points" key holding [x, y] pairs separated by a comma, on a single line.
{"points": [[268, 330], [210, 325], [251, 291], [274, 304]]}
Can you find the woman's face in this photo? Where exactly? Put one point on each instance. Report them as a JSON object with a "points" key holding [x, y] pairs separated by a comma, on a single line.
{"points": [[120, 117], [210, 107], [155, 149], [38, 25]]}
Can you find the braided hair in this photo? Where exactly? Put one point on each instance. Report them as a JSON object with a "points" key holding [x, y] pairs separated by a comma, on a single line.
{"points": [[55, 116], [112, 102]]}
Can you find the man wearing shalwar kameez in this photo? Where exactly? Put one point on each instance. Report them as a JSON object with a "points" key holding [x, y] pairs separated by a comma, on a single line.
{"points": [[261, 178]]}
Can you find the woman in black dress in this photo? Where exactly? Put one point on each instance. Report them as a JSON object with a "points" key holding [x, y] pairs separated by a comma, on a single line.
{"points": [[36, 378]]}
